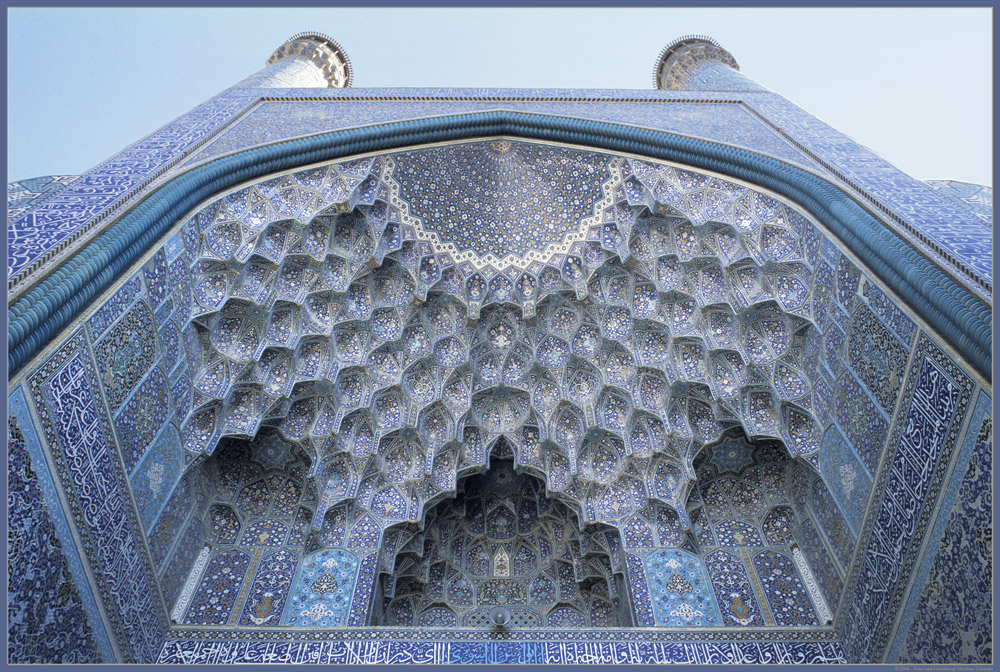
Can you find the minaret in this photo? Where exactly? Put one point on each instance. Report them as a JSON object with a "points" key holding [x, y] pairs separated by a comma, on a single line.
{"points": [[304, 61], [698, 63]]}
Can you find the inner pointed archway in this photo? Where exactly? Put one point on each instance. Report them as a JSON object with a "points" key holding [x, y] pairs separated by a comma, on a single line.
{"points": [[502, 542]]}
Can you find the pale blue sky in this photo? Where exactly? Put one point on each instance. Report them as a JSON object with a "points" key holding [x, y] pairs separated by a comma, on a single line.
{"points": [[914, 85]]}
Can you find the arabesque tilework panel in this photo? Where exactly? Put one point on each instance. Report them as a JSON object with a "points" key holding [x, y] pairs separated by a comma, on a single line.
{"points": [[76, 428], [786, 595], [154, 476], [848, 481], [860, 420], [680, 590], [736, 598], [952, 622], [46, 620], [322, 593], [219, 588], [270, 588], [935, 398]]}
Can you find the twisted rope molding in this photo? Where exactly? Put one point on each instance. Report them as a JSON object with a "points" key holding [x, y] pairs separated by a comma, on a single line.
{"points": [[963, 320]]}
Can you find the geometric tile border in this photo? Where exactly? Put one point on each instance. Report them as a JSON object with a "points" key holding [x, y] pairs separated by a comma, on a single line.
{"points": [[190, 585]]}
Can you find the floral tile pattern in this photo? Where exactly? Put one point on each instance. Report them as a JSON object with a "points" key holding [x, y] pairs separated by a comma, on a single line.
{"points": [[679, 589], [322, 593], [219, 588], [736, 598], [269, 589], [786, 595]]}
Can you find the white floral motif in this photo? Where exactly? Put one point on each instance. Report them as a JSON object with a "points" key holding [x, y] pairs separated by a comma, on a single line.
{"points": [[156, 478], [687, 612], [317, 612], [848, 478]]}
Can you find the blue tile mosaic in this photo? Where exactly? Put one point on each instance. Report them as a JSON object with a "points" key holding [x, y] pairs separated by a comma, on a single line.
{"points": [[46, 621], [824, 569], [639, 591], [831, 523], [848, 276], [516, 213], [321, 596], [155, 272], [735, 596], [859, 418], [936, 221], [171, 521], [219, 588], [888, 312], [275, 119], [142, 417], [47, 228], [154, 477], [976, 198], [878, 359], [75, 423], [786, 595], [174, 246], [126, 353], [679, 590], [489, 546], [24, 195], [720, 77], [361, 600], [18, 405], [936, 397], [269, 590], [848, 481], [628, 306], [951, 623], [189, 544], [170, 340], [441, 651], [114, 307]]}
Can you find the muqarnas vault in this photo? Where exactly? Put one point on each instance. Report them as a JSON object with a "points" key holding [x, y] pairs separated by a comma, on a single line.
{"points": [[329, 375]]}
